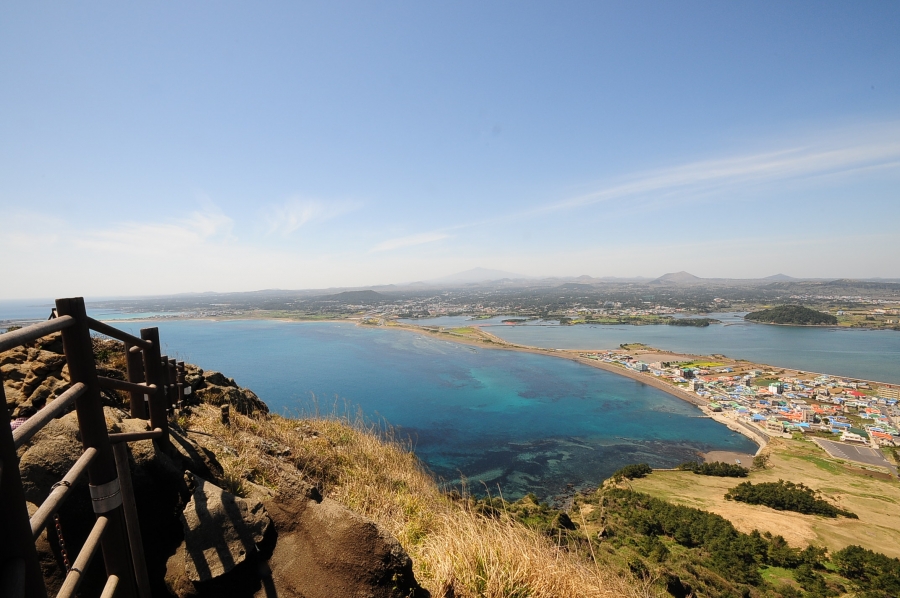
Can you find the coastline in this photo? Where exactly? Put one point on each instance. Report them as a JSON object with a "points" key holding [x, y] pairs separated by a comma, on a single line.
{"points": [[494, 342]]}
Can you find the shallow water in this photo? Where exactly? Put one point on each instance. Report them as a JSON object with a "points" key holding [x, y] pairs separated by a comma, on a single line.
{"points": [[521, 421], [866, 354]]}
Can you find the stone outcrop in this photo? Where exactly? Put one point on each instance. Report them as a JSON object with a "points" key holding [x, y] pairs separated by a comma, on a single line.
{"points": [[220, 529], [216, 389], [326, 550], [33, 375]]}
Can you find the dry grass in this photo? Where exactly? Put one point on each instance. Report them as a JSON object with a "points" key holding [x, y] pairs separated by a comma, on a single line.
{"points": [[379, 478], [874, 500]]}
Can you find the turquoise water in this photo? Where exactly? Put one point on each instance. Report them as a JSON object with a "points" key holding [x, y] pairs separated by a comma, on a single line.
{"points": [[866, 354], [521, 421]]}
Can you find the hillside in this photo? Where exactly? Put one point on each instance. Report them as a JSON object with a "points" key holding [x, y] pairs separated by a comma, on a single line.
{"points": [[796, 315], [384, 527], [333, 506]]}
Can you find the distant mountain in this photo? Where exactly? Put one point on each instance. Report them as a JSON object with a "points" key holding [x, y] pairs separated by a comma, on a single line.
{"points": [[678, 278], [779, 278], [477, 275], [355, 297]]}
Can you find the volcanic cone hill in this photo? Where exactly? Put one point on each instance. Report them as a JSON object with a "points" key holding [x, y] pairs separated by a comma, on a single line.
{"points": [[795, 315]]}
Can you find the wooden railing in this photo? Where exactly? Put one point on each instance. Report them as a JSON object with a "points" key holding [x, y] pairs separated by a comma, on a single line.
{"points": [[155, 386]]}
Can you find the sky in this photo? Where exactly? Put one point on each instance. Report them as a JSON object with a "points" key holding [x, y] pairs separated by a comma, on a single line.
{"points": [[153, 148]]}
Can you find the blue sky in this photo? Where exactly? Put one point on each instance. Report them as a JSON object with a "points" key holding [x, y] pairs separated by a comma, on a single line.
{"points": [[176, 147]]}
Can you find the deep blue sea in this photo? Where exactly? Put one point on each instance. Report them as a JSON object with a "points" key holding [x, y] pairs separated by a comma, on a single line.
{"points": [[519, 421], [866, 354]]}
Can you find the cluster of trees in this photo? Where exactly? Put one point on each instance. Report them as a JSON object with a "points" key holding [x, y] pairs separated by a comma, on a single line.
{"points": [[786, 496], [699, 322], [631, 472], [716, 468], [733, 555], [792, 314], [872, 573]]}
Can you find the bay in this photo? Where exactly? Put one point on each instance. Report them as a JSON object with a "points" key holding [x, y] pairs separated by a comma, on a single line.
{"points": [[515, 421], [865, 354]]}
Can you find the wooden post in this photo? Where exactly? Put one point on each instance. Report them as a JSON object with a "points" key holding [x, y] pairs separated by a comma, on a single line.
{"points": [[153, 368], [17, 544], [135, 365], [173, 383], [164, 378], [180, 384], [131, 520], [104, 480]]}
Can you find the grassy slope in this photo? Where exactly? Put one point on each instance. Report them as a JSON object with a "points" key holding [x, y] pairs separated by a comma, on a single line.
{"points": [[876, 501], [451, 545]]}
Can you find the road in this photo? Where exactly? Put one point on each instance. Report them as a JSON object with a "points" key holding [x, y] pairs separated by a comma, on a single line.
{"points": [[859, 454]]}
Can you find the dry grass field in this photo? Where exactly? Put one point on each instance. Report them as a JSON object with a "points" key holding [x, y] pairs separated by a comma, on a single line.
{"points": [[871, 495]]}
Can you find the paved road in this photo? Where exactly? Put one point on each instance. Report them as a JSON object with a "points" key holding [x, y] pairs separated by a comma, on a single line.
{"points": [[851, 452]]}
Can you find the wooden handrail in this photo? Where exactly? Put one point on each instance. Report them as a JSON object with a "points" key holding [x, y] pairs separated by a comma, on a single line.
{"points": [[32, 426], [105, 456], [135, 436], [16, 338], [109, 590], [147, 389], [79, 350], [60, 492], [103, 328], [73, 578]]}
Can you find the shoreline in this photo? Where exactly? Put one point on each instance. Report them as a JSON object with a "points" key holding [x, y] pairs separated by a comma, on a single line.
{"points": [[758, 438]]}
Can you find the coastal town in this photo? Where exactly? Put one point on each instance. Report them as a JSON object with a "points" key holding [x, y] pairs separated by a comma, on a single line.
{"points": [[776, 402]]}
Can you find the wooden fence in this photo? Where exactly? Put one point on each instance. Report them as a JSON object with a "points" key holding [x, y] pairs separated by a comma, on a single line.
{"points": [[156, 387]]}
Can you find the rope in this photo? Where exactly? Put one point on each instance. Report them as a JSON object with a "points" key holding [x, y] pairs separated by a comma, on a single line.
{"points": [[59, 532]]}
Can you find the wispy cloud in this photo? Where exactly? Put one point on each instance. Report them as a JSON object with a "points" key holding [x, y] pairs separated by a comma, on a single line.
{"points": [[409, 241], [287, 218], [703, 176], [179, 234]]}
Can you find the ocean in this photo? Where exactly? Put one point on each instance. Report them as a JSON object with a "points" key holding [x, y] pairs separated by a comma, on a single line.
{"points": [[500, 420], [866, 354]]}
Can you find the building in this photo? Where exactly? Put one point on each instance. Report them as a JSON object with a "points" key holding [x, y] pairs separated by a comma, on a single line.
{"points": [[775, 426], [889, 392], [848, 436]]}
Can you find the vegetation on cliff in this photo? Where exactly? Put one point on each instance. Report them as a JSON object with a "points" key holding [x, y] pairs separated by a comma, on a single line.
{"points": [[716, 468], [796, 315], [455, 541], [691, 552], [786, 496]]}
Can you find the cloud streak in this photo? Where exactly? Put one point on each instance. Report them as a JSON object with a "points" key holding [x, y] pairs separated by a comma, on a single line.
{"points": [[294, 213], [805, 162]]}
